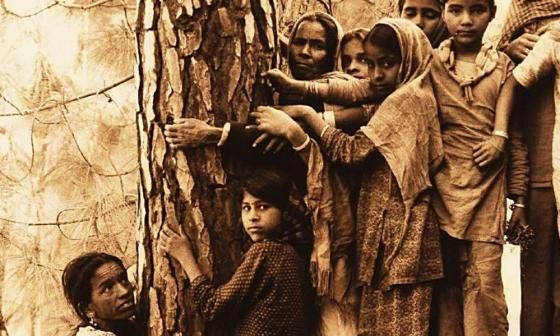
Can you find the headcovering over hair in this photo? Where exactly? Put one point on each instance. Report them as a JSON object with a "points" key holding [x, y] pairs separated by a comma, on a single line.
{"points": [[405, 129], [317, 17], [523, 12]]}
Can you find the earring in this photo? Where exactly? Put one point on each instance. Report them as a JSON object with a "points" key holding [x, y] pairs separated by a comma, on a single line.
{"points": [[91, 317]]}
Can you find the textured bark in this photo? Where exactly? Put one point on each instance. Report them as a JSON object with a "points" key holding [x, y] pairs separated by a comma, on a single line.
{"points": [[197, 59]]}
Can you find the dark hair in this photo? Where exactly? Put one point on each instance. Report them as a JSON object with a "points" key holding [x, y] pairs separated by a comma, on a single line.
{"points": [[269, 184], [491, 3], [331, 30], [358, 33], [77, 275], [401, 4], [385, 37]]}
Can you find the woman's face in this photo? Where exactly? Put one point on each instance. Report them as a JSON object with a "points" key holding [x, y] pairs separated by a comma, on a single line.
{"points": [[260, 219], [426, 14], [352, 59], [308, 51], [383, 70], [111, 293]]}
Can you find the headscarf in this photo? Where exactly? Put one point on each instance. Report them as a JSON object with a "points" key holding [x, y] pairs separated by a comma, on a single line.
{"points": [[318, 17], [405, 128], [523, 12]]}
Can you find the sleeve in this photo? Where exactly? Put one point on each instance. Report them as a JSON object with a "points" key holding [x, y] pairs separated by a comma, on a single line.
{"points": [[518, 164], [538, 63], [347, 149], [214, 301], [341, 92]]}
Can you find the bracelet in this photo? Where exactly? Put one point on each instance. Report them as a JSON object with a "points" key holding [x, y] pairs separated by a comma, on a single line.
{"points": [[225, 133], [516, 205], [324, 130], [303, 145], [501, 134], [328, 116]]}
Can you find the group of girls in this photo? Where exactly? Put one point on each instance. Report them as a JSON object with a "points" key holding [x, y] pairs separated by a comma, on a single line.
{"points": [[413, 245]]}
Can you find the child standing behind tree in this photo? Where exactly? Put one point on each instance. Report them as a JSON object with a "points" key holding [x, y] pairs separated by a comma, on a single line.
{"points": [[269, 293]]}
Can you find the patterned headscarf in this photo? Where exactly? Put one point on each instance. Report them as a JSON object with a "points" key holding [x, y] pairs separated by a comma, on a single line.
{"points": [[523, 12]]}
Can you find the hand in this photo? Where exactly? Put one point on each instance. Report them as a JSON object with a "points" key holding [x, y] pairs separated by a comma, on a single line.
{"points": [[489, 151], [283, 83], [518, 231], [190, 132], [273, 121], [273, 144], [519, 48], [297, 111], [176, 244]]}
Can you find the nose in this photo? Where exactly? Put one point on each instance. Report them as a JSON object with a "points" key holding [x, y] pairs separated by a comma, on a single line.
{"points": [[352, 67], [466, 19], [254, 215], [124, 289], [377, 74], [418, 21], [305, 50]]}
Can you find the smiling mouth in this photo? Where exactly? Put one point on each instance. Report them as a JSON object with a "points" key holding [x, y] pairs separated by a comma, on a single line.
{"points": [[129, 304]]}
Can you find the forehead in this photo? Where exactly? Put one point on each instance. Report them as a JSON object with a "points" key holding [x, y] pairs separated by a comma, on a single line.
{"points": [[373, 51], [353, 45], [311, 30], [105, 272], [248, 198], [468, 3], [431, 4]]}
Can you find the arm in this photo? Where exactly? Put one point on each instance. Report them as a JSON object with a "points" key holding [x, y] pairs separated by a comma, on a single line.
{"points": [[342, 92], [339, 147], [246, 283], [538, 63]]}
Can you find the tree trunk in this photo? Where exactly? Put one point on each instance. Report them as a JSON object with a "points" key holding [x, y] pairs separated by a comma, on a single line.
{"points": [[198, 59]]}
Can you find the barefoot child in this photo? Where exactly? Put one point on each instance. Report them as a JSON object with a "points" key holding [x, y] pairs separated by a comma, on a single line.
{"points": [[398, 242], [269, 293]]}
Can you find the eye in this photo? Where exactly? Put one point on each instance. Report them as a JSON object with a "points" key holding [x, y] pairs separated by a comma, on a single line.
{"points": [[263, 206], [409, 13], [431, 15], [387, 64], [245, 208], [362, 60], [298, 42], [319, 45], [107, 288]]}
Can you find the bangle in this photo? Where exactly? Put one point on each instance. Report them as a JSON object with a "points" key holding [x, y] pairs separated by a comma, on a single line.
{"points": [[303, 145], [516, 205], [225, 133], [324, 130], [328, 116], [501, 134]]}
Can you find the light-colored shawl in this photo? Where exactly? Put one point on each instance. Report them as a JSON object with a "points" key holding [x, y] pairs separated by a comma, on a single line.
{"points": [[405, 129], [523, 12]]}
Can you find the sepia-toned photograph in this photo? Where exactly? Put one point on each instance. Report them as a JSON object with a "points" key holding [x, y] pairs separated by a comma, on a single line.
{"points": [[279, 167]]}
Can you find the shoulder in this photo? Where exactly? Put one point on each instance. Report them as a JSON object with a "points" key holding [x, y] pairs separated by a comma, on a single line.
{"points": [[271, 249], [91, 331]]}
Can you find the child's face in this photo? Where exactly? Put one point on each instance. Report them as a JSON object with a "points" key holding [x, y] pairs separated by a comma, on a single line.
{"points": [[260, 219], [352, 59], [383, 70], [426, 14], [308, 51], [467, 20]]}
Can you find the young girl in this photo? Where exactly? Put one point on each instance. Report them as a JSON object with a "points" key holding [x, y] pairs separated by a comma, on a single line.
{"points": [[351, 57], [269, 292], [398, 244], [426, 14]]}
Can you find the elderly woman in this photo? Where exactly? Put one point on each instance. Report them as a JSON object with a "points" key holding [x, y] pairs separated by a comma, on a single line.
{"points": [[97, 287]]}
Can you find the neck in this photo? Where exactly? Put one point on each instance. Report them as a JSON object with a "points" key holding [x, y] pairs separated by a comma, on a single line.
{"points": [[467, 52]]}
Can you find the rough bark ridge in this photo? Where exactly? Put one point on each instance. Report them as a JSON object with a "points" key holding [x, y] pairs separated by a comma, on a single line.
{"points": [[197, 59]]}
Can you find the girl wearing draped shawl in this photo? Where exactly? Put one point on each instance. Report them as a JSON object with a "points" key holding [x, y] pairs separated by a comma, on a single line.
{"points": [[398, 252]]}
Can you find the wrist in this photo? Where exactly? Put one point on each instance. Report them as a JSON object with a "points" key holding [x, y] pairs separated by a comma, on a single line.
{"points": [[295, 135], [214, 135]]}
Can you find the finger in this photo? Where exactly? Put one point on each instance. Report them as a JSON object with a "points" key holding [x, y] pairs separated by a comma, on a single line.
{"points": [[179, 120], [478, 146], [251, 127], [484, 162], [260, 139], [280, 146], [478, 152], [271, 144], [262, 109], [255, 114]]}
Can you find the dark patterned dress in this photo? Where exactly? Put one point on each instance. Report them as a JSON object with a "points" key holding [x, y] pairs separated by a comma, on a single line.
{"points": [[268, 294], [396, 260]]}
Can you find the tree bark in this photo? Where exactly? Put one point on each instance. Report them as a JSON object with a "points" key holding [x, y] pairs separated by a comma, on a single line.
{"points": [[199, 59]]}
